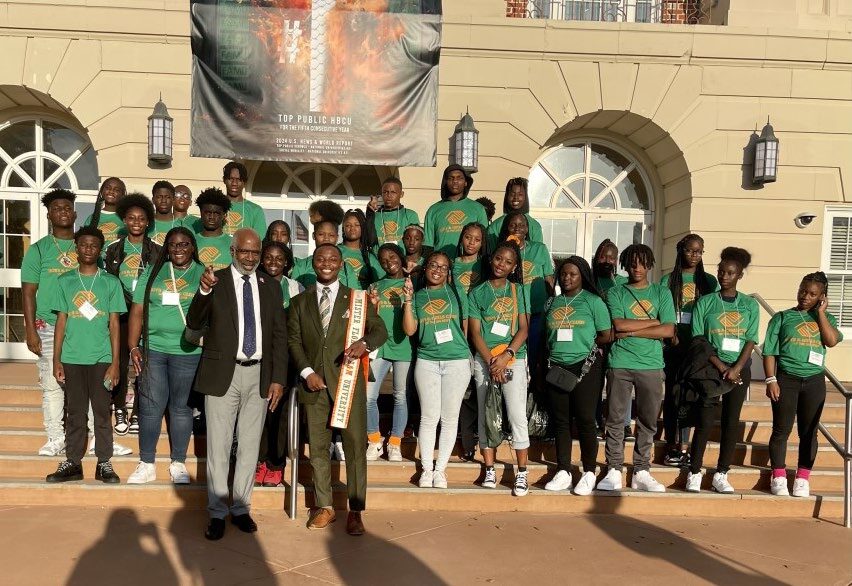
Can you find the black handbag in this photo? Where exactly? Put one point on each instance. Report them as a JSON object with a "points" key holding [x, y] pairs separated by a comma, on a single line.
{"points": [[564, 379]]}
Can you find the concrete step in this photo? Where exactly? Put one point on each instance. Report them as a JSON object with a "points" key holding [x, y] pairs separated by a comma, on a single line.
{"points": [[37, 467], [29, 417], [750, 504], [28, 441]]}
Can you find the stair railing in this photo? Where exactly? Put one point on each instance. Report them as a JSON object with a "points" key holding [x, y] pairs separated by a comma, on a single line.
{"points": [[293, 449], [845, 451]]}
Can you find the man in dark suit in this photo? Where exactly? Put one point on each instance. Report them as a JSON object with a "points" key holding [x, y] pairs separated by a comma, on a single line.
{"points": [[242, 373], [317, 335]]}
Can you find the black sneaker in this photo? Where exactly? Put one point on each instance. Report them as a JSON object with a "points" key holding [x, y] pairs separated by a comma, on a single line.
{"points": [[674, 458], [105, 473], [628, 433], [66, 472], [121, 426], [134, 424]]}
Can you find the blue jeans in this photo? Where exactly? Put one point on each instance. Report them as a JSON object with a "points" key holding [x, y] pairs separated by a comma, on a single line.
{"points": [[441, 385], [166, 382], [402, 377]]}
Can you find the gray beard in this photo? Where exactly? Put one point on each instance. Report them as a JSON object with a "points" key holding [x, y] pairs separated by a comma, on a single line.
{"points": [[242, 271]]}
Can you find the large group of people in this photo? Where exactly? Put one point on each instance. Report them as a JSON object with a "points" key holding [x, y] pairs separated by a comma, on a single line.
{"points": [[146, 310]]}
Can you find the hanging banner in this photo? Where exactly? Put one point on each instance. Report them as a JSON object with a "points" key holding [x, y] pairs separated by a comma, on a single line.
{"points": [[322, 81]]}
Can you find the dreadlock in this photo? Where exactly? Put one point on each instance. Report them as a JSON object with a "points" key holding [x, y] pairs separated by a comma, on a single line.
{"points": [[162, 259], [522, 183], [362, 244], [702, 282], [588, 280], [99, 201], [597, 269], [634, 253], [483, 248], [818, 278], [504, 229]]}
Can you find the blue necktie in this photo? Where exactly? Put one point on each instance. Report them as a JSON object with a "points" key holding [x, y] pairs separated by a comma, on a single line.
{"points": [[249, 335]]}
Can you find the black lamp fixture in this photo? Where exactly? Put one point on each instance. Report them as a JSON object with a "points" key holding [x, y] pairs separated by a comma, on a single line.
{"points": [[466, 144], [766, 156], [160, 128]]}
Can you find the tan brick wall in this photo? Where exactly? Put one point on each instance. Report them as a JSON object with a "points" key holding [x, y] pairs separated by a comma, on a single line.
{"points": [[516, 8]]}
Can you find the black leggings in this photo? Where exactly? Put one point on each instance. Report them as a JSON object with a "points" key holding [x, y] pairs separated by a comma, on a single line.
{"points": [[580, 405], [732, 406], [673, 356], [802, 398]]}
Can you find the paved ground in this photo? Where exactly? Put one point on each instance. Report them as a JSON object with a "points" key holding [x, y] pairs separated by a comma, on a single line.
{"points": [[158, 547]]}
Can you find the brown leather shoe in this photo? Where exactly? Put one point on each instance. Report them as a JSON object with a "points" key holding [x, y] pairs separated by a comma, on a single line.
{"points": [[354, 525], [321, 518]]}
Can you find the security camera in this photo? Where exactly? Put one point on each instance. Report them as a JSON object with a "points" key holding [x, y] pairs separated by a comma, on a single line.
{"points": [[804, 219]]}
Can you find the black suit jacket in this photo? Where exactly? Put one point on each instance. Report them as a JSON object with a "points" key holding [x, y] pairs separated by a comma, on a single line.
{"points": [[324, 353], [218, 313]]}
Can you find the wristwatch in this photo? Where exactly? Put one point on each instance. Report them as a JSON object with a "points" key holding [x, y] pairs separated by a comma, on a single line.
{"points": [[510, 352]]}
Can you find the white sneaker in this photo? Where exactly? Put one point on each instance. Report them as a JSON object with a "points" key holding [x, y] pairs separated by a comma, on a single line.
{"points": [[143, 474], [119, 450], [721, 484], [586, 484], [374, 451], [801, 488], [642, 480], [91, 449], [490, 478], [693, 481], [53, 447], [778, 486], [179, 473], [338, 452], [426, 479], [612, 480], [439, 479], [561, 481], [394, 453]]}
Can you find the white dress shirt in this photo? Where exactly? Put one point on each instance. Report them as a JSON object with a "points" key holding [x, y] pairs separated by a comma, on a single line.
{"points": [[332, 296], [258, 325]]}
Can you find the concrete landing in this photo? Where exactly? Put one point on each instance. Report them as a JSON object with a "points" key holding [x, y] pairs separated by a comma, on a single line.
{"points": [[53, 545]]}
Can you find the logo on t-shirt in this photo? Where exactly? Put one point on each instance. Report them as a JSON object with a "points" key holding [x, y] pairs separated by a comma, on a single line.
{"points": [[730, 319], [170, 285], [688, 292], [563, 313], [355, 263], [132, 261], [159, 238], [392, 297], [233, 222], [529, 277], [469, 278], [208, 254], [436, 307], [642, 309], [109, 229], [81, 297], [456, 217], [390, 229], [808, 329]]}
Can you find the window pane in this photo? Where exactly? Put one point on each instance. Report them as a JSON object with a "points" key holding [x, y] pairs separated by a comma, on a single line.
{"points": [[300, 228], [632, 193], [560, 236], [541, 188], [61, 141], [15, 247], [85, 169], [622, 232], [18, 139], [566, 161], [269, 180], [14, 301], [16, 333], [566, 201], [607, 163], [17, 217], [841, 244], [84, 210], [595, 189], [840, 299], [607, 203], [62, 182]]}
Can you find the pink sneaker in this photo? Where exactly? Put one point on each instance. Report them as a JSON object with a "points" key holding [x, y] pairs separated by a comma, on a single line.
{"points": [[260, 473], [273, 477]]}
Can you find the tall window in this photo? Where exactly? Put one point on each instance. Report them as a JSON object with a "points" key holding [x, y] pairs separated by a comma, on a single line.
{"points": [[837, 263], [587, 191], [597, 10]]}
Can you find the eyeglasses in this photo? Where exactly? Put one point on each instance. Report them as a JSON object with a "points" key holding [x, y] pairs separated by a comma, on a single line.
{"points": [[182, 195], [179, 245], [693, 252], [433, 266]]}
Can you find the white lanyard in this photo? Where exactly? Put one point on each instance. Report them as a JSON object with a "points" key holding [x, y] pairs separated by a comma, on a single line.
{"points": [[174, 286], [89, 290], [565, 314], [724, 310]]}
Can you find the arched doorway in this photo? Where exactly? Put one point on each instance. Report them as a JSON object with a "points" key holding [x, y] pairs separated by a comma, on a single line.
{"points": [[584, 191], [37, 154], [285, 190]]}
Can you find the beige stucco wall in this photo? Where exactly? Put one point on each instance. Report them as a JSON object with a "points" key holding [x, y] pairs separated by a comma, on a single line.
{"points": [[684, 99]]}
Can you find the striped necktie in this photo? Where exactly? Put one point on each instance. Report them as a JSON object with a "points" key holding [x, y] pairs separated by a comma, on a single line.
{"points": [[325, 309]]}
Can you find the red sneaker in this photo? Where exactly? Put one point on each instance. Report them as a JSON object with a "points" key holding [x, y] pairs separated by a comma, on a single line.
{"points": [[260, 473], [273, 477]]}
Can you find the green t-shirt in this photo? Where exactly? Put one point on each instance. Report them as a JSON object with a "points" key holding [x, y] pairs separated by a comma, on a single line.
{"points": [[245, 214], [158, 231], [398, 345], [605, 284], [579, 319], [689, 292], [365, 273], [437, 311], [87, 341], [214, 250], [129, 271], [390, 226], [192, 223], [110, 224], [445, 220], [43, 263], [497, 312], [467, 275], [639, 353], [494, 228], [537, 265], [792, 336], [303, 272], [286, 283], [165, 321], [719, 320]]}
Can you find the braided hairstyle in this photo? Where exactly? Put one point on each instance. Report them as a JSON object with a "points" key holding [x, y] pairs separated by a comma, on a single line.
{"points": [[99, 201], [162, 259], [819, 278], [521, 182], [362, 241], [504, 229], [483, 247], [597, 267], [585, 270], [517, 275], [641, 253], [702, 282]]}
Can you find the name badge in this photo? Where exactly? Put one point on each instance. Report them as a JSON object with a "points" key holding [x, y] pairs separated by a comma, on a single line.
{"points": [[815, 358], [444, 336], [133, 285], [731, 344], [88, 311], [565, 335], [685, 317], [499, 329], [171, 298]]}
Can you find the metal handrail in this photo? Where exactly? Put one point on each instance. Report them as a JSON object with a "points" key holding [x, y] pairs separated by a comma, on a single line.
{"points": [[293, 449], [845, 451]]}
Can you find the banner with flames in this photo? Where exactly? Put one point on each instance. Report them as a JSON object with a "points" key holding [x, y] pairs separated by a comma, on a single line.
{"points": [[323, 81]]}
